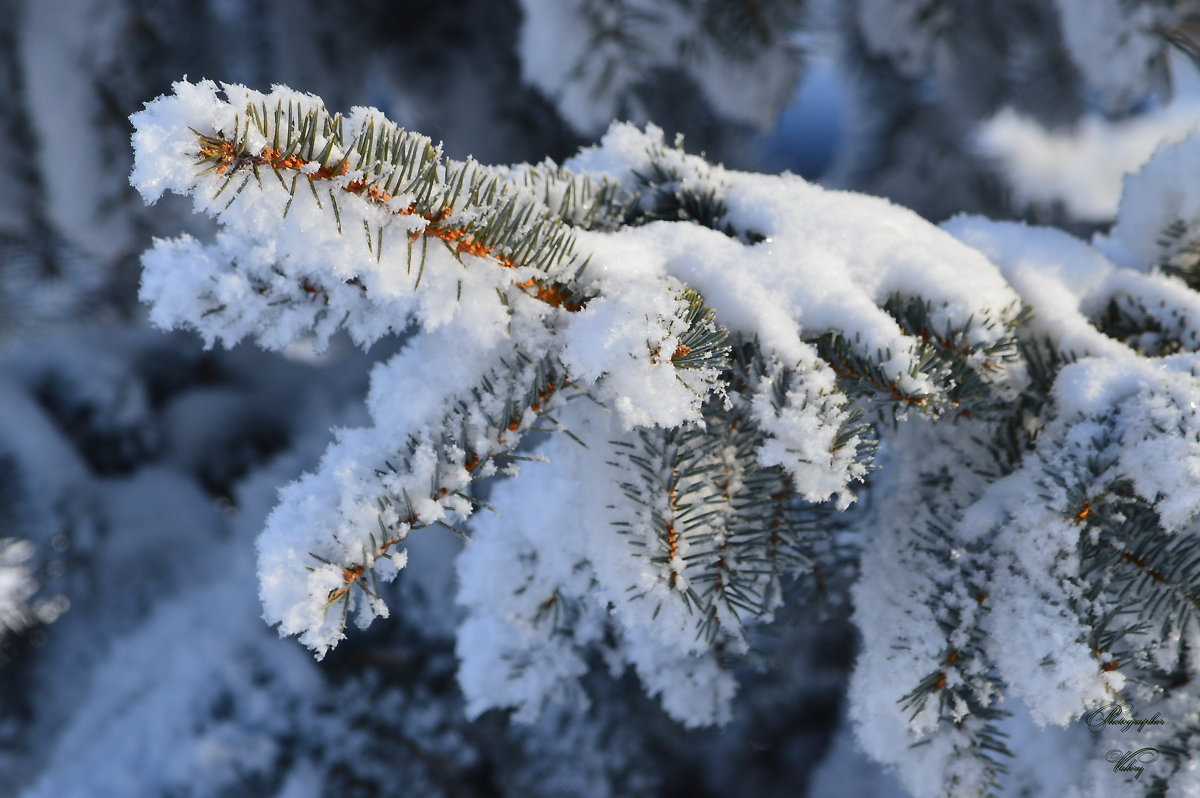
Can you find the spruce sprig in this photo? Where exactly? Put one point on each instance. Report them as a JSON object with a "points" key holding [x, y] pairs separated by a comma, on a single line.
{"points": [[729, 532], [531, 388], [1127, 319], [1179, 253], [963, 682], [962, 368], [703, 343], [471, 208]]}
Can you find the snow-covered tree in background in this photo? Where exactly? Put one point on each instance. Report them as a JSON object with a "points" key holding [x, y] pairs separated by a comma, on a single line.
{"points": [[605, 59], [805, 416], [1030, 108]]}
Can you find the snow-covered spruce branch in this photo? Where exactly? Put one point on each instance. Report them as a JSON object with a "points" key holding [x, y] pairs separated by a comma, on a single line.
{"points": [[732, 333], [1033, 544]]}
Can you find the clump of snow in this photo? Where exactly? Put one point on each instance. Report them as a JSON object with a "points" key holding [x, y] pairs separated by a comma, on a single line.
{"points": [[17, 584], [1082, 168], [1070, 283], [1155, 199]]}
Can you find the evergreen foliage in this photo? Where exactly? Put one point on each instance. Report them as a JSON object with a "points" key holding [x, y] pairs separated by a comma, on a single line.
{"points": [[719, 494], [673, 479]]}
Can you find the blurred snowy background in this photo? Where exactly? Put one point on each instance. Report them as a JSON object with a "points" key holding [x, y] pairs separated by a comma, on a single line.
{"points": [[136, 468]]}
